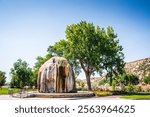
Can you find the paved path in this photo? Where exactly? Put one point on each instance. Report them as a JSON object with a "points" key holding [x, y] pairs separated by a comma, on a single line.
{"points": [[7, 97]]}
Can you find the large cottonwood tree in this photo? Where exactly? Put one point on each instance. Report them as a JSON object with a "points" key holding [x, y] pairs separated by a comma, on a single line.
{"points": [[95, 49]]}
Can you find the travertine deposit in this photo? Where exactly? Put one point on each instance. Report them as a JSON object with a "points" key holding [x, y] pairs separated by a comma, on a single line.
{"points": [[56, 75]]}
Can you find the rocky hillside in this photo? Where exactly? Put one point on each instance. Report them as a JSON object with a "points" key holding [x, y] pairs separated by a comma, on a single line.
{"points": [[140, 68]]}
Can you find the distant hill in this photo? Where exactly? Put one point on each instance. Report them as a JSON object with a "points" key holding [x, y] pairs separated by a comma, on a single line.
{"points": [[130, 67], [137, 67]]}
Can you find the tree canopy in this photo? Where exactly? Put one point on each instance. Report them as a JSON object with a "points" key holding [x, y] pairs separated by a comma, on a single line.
{"points": [[128, 79], [93, 49], [39, 62], [2, 78], [21, 74]]}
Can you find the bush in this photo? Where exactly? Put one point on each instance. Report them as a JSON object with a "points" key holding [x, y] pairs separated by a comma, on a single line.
{"points": [[102, 93], [138, 89], [79, 89], [147, 79], [129, 88], [118, 92], [126, 79], [82, 84], [102, 82]]}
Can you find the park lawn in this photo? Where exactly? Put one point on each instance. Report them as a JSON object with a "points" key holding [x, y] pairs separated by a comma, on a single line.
{"points": [[137, 97], [4, 91]]}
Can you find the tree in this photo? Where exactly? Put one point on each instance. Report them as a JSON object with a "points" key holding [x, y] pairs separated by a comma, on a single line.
{"points": [[93, 49], [21, 74], [61, 48], [2, 78], [128, 79], [55, 50]]}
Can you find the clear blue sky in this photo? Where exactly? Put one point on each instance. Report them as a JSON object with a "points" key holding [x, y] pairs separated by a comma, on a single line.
{"points": [[28, 27]]}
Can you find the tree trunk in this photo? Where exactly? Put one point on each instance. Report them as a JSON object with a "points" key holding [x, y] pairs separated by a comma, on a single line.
{"points": [[110, 83], [88, 81], [87, 74]]}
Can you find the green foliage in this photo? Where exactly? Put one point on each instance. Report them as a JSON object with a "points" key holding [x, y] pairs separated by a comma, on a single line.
{"points": [[90, 48], [2, 78], [129, 88], [58, 49], [126, 79], [121, 80], [61, 48], [102, 82], [4, 91], [21, 74], [114, 83], [41, 60], [93, 49], [82, 84], [137, 97], [147, 79], [138, 89]]}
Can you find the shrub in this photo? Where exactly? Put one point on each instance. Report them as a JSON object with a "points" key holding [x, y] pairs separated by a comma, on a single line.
{"points": [[102, 93], [138, 89], [79, 89], [118, 92], [129, 88], [82, 84], [147, 79], [102, 82], [126, 79]]}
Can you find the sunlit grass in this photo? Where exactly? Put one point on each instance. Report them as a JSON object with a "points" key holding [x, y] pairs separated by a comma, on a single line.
{"points": [[5, 91], [137, 97]]}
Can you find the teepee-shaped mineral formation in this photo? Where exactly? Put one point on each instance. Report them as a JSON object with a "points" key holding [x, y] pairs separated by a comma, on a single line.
{"points": [[56, 75]]}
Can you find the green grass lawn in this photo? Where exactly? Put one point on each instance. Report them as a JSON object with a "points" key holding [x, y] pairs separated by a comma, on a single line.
{"points": [[4, 91], [134, 96], [137, 97]]}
